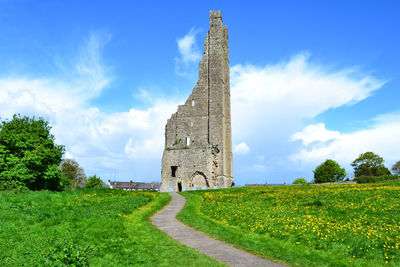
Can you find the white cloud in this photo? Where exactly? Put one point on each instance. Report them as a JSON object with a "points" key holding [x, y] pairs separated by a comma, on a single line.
{"points": [[241, 149], [280, 95], [382, 137], [116, 141], [47, 96], [90, 67], [68, 155], [313, 133], [189, 54]]}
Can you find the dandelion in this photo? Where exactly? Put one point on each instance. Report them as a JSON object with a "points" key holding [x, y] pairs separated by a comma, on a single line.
{"points": [[351, 216]]}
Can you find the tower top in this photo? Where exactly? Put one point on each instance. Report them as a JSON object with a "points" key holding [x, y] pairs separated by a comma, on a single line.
{"points": [[215, 13], [215, 18]]}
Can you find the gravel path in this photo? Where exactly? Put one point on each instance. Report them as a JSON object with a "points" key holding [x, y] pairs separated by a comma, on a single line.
{"points": [[165, 220]]}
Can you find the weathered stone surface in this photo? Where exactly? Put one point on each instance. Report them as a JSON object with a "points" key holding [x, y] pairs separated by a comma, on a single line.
{"points": [[198, 145]]}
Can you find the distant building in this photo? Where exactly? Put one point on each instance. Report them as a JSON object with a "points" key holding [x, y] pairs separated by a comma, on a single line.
{"points": [[255, 184], [134, 186], [265, 184]]}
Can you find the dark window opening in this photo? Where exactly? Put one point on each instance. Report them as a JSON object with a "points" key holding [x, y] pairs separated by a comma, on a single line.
{"points": [[179, 186], [173, 170]]}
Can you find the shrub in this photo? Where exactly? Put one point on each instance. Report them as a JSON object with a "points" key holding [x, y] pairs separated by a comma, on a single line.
{"points": [[94, 182], [329, 171], [300, 181]]}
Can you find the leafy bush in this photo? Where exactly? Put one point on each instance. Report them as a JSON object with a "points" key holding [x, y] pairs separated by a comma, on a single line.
{"points": [[374, 179], [94, 182], [29, 158], [329, 171], [300, 181]]}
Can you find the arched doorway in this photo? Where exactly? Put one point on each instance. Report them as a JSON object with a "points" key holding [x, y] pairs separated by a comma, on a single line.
{"points": [[199, 180]]}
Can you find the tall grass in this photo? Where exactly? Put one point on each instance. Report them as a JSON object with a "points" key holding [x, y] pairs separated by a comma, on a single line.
{"points": [[100, 227]]}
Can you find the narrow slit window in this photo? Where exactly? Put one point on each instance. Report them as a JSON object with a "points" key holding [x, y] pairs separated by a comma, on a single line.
{"points": [[188, 141], [192, 103], [173, 170]]}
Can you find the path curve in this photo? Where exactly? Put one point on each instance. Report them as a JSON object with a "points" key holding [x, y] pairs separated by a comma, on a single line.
{"points": [[165, 220]]}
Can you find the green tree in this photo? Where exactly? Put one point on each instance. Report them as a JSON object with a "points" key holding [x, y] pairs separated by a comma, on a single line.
{"points": [[396, 168], [29, 158], [94, 182], [300, 181], [329, 171], [369, 164], [73, 173]]}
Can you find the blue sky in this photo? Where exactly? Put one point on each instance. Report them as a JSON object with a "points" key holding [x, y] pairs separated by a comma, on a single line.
{"points": [[310, 80]]}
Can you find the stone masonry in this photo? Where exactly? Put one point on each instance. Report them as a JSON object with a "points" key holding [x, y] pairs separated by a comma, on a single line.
{"points": [[198, 145]]}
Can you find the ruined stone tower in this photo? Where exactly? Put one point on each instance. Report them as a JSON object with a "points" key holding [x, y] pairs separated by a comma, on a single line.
{"points": [[198, 145]]}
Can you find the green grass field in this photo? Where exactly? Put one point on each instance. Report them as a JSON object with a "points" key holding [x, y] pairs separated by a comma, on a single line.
{"points": [[330, 225], [88, 227]]}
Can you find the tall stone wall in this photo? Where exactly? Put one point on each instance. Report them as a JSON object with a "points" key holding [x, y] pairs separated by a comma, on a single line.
{"points": [[198, 145]]}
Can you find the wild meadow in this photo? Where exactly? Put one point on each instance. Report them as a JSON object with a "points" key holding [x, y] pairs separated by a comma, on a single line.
{"points": [[101, 227], [319, 225]]}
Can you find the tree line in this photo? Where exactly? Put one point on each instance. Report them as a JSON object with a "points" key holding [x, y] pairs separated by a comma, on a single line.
{"points": [[368, 167]]}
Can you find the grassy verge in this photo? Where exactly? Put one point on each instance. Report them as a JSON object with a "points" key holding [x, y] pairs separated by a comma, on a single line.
{"points": [[157, 248], [88, 227], [303, 225]]}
